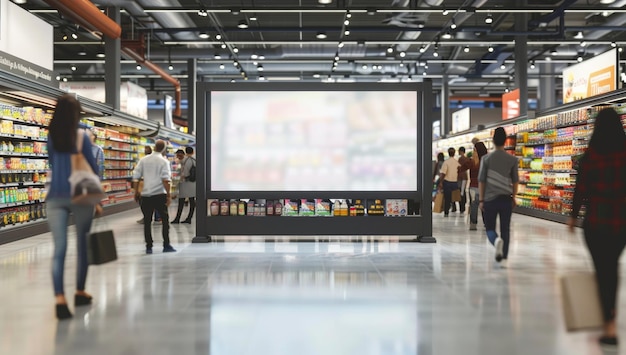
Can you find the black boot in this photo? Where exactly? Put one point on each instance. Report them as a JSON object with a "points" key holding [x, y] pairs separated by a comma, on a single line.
{"points": [[179, 212], [192, 208]]}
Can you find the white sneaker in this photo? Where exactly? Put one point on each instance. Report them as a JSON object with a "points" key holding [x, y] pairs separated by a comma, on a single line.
{"points": [[499, 244], [503, 264]]}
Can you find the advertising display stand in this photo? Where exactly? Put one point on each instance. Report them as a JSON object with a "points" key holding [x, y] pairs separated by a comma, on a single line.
{"points": [[314, 159]]}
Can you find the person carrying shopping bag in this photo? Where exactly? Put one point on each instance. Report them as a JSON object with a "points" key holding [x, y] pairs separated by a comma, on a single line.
{"points": [[601, 188]]}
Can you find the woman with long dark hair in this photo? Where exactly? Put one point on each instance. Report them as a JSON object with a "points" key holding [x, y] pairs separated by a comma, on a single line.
{"points": [[601, 188], [62, 143], [474, 167]]}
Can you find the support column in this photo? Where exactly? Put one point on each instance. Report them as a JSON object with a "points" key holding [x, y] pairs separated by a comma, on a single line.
{"points": [[521, 58], [446, 119], [112, 63], [546, 93], [192, 79]]}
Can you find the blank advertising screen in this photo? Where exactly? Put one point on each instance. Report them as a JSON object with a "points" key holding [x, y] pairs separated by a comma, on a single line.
{"points": [[313, 141]]}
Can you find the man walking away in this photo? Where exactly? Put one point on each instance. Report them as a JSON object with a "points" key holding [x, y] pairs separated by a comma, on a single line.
{"points": [[497, 181], [464, 163], [155, 195]]}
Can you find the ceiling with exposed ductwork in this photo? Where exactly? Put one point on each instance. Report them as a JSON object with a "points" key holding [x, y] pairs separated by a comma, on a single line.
{"points": [[467, 43]]}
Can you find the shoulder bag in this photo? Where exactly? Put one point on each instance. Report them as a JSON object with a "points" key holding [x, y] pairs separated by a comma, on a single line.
{"points": [[85, 185]]}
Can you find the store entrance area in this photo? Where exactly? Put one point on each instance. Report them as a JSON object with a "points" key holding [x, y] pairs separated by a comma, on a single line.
{"points": [[249, 296]]}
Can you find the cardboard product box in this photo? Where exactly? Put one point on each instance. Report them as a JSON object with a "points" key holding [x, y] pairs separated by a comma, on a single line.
{"points": [[375, 208], [322, 207], [290, 208], [397, 207], [307, 207]]}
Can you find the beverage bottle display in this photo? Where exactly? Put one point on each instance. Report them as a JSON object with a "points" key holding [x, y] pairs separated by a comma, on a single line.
{"points": [[223, 208], [337, 208], [233, 207], [344, 208], [215, 208], [278, 208], [250, 209], [269, 208], [241, 208]]}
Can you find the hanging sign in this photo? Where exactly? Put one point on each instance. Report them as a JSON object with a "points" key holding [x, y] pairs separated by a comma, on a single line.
{"points": [[26, 70], [594, 76], [510, 105], [461, 120]]}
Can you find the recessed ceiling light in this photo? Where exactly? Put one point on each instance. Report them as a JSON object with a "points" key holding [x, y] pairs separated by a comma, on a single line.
{"points": [[232, 80], [253, 56], [261, 57], [320, 35], [203, 35], [82, 53], [242, 25], [253, 18]]}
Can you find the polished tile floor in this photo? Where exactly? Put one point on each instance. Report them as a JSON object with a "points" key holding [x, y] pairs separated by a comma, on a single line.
{"points": [[245, 296]]}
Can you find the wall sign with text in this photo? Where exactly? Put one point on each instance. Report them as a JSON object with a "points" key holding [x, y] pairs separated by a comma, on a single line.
{"points": [[592, 77]]}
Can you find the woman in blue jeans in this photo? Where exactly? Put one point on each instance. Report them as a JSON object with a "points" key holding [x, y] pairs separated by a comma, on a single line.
{"points": [[62, 138]]}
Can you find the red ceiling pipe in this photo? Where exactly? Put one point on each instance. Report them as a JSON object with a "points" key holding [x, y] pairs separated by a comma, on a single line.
{"points": [[87, 15], [158, 70]]}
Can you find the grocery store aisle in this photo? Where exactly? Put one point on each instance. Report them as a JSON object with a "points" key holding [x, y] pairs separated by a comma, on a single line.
{"points": [[246, 296]]}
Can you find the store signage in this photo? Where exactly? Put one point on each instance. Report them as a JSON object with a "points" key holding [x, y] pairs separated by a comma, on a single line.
{"points": [[510, 105], [436, 130], [26, 70], [133, 98], [461, 120], [595, 76]]}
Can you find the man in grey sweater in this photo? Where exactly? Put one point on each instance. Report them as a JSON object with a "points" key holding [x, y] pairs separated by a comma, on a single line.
{"points": [[497, 182]]}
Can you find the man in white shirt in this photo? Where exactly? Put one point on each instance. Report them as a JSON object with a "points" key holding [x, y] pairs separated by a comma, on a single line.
{"points": [[449, 180], [155, 195]]}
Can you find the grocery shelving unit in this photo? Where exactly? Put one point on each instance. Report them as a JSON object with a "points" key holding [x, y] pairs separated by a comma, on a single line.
{"points": [[24, 116], [419, 225]]}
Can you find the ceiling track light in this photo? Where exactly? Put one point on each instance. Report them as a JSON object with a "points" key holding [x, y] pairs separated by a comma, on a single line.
{"points": [[490, 49], [203, 13], [447, 35], [346, 22], [422, 49], [235, 50], [532, 64], [445, 12], [170, 67], [579, 59], [390, 50], [65, 37], [502, 66], [222, 66], [260, 68], [336, 58], [218, 36], [466, 49], [583, 43], [138, 66], [321, 35], [340, 44], [489, 19], [453, 25], [74, 35], [348, 14], [242, 25], [346, 32], [223, 46], [402, 54], [613, 44], [203, 35], [73, 68]]}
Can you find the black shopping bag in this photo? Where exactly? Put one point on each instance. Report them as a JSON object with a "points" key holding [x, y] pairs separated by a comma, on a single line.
{"points": [[101, 247]]}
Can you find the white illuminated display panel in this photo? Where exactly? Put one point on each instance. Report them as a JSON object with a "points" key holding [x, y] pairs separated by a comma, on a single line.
{"points": [[314, 141]]}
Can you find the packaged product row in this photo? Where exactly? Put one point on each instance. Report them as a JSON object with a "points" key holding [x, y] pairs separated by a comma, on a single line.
{"points": [[9, 127], [26, 114], [17, 177], [22, 214], [116, 155], [23, 164], [114, 186], [118, 164], [559, 179], [310, 207], [18, 195], [117, 174], [557, 163], [23, 147]]}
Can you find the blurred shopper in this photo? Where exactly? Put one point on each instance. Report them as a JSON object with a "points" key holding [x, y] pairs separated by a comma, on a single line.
{"points": [[62, 144], [186, 187], [463, 178], [438, 165], [601, 188], [448, 180], [473, 165], [97, 152], [155, 195], [497, 184], [147, 150]]}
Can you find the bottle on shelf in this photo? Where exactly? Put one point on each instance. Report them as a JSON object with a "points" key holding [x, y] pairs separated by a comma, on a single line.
{"points": [[233, 207]]}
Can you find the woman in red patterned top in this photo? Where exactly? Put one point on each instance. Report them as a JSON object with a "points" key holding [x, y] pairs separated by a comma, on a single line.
{"points": [[601, 188]]}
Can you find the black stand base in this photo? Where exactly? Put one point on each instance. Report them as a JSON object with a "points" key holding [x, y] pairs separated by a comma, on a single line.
{"points": [[199, 239], [426, 239]]}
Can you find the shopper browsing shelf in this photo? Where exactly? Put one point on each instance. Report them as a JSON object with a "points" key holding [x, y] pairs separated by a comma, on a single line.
{"points": [[187, 184], [601, 188], [62, 144], [497, 184]]}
